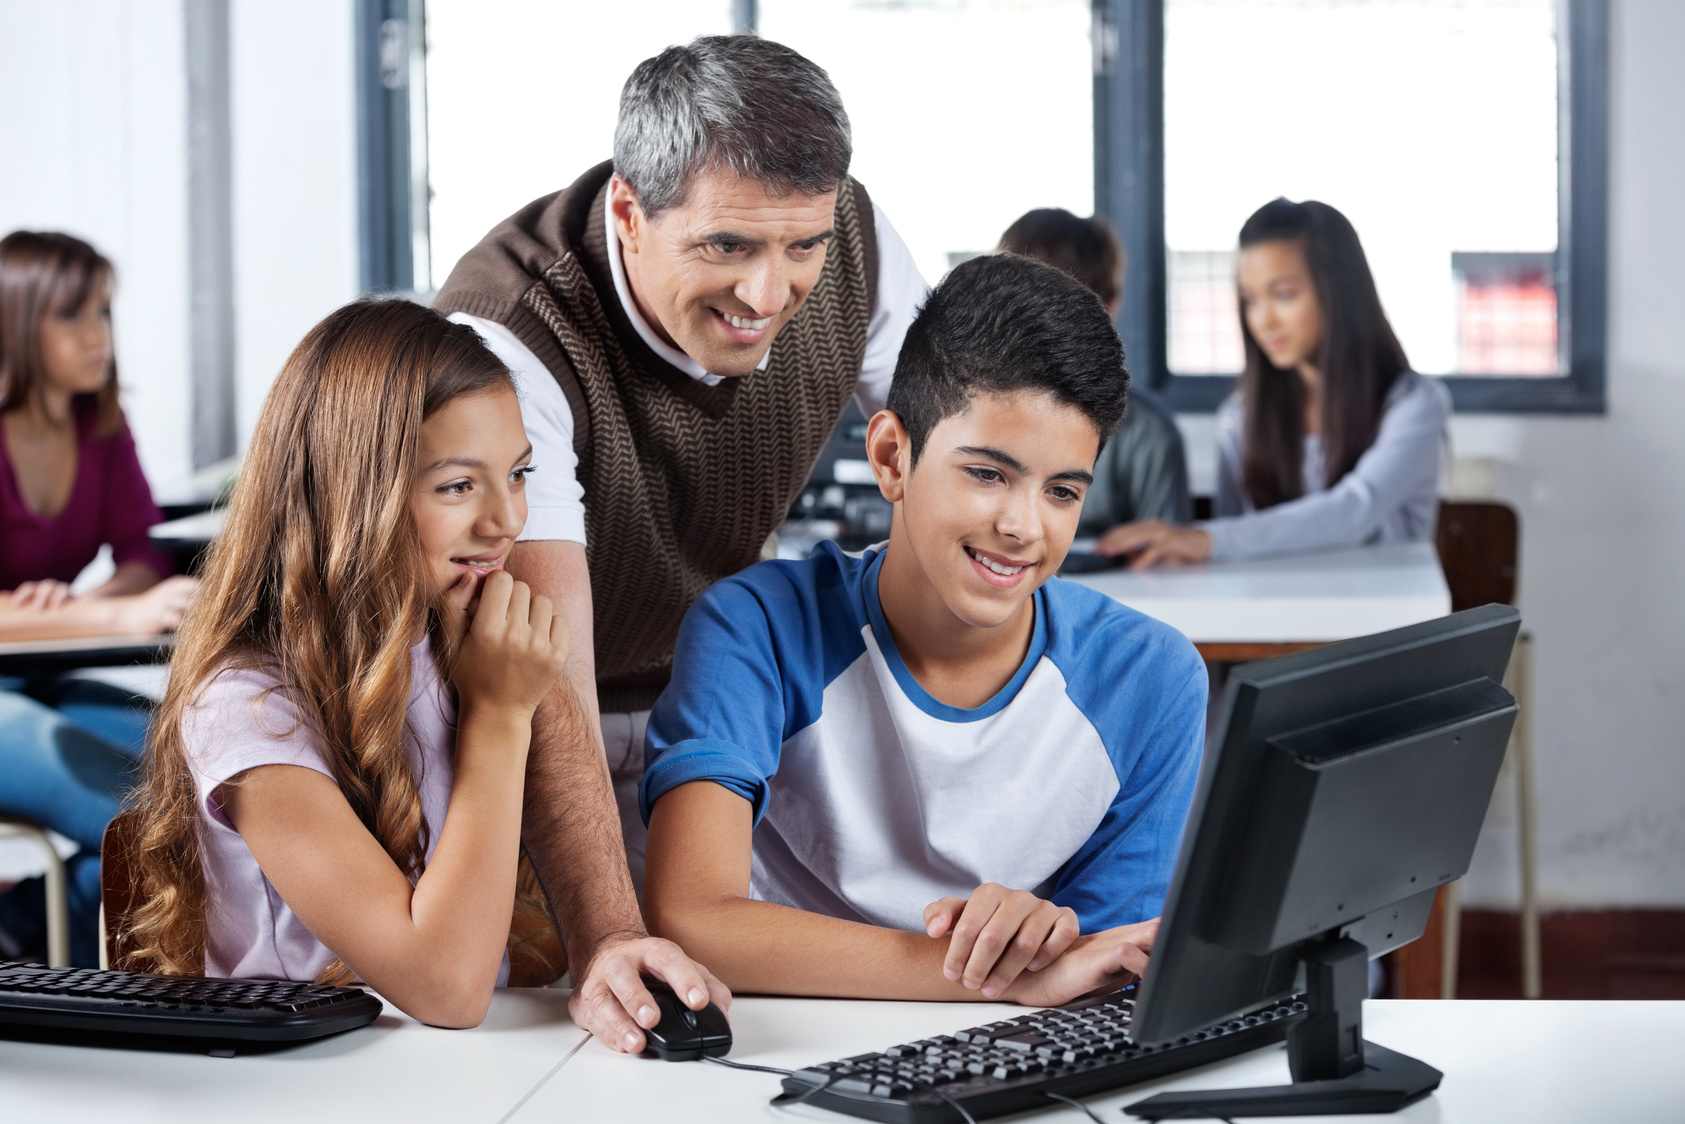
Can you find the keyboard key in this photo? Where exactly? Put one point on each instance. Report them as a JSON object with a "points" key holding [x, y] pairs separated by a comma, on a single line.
{"points": [[1023, 1042]]}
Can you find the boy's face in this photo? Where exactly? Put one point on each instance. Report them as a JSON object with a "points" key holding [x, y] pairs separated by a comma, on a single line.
{"points": [[990, 509]]}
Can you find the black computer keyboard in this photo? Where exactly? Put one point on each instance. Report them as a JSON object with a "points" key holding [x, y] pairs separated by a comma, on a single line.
{"points": [[1010, 1066], [82, 999]]}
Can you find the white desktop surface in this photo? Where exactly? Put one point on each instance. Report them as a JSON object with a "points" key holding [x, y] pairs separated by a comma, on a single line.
{"points": [[201, 528], [1539, 1062], [394, 1070], [1312, 597]]}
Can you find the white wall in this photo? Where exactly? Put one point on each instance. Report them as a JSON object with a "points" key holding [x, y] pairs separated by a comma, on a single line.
{"points": [[93, 140], [295, 181], [1602, 508], [1603, 529]]}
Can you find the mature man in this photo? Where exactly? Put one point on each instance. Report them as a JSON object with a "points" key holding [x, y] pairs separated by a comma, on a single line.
{"points": [[639, 309]]}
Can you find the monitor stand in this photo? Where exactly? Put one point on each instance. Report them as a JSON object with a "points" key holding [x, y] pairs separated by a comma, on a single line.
{"points": [[1334, 1070]]}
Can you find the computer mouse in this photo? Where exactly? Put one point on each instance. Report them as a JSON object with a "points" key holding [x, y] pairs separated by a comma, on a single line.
{"points": [[684, 1035]]}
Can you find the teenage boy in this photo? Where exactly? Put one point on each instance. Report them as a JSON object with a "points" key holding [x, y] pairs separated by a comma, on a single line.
{"points": [[848, 738]]}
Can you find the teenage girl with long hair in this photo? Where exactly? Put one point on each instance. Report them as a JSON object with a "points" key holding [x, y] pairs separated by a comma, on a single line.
{"points": [[1331, 440], [333, 788], [70, 482]]}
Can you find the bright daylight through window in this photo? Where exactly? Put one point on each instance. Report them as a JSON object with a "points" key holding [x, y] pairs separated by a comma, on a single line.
{"points": [[950, 151], [1432, 124]]}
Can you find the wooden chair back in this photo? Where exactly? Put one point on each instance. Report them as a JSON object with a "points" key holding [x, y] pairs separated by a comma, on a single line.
{"points": [[1478, 548], [116, 883]]}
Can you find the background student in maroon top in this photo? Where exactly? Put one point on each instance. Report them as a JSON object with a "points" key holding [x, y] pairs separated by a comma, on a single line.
{"points": [[69, 483]]}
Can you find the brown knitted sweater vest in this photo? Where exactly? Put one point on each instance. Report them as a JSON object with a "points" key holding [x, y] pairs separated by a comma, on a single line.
{"points": [[683, 482]]}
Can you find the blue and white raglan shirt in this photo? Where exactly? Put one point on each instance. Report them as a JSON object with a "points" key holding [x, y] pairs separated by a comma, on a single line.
{"points": [[872, 799]]}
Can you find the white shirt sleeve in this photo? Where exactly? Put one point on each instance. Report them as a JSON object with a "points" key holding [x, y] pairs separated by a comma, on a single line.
{"points": [[555, 498], [901, 292]]}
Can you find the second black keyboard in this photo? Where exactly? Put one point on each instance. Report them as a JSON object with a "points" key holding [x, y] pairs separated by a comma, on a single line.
{"points": [[1009, 1066], [82, 999]]}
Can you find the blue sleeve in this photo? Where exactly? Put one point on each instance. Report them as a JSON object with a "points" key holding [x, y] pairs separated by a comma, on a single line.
{"points": [[749, 670], [1122, 874], [721, 717]]}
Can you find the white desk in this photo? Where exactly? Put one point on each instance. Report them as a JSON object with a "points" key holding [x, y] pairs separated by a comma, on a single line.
{"points": [[395, 1070], [1306, 599], [1503, 1061], [51, 657], [1539, 1062], [190, 530]]}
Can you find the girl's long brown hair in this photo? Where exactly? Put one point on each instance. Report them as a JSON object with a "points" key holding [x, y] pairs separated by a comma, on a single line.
{"points": [[316, 579], [1359, 357], [46, 274]]}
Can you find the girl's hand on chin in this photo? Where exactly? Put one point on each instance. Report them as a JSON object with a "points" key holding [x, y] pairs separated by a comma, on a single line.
{"points": [[512, 647]]}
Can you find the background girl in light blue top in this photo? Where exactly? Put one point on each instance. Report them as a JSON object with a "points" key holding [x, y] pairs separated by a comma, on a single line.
{"points": [[1331, 440]]}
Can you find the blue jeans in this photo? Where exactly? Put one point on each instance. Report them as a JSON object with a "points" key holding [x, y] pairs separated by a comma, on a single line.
{"points": [[69, 752]]}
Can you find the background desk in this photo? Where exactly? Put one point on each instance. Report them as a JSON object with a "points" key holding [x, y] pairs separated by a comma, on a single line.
{"points": [[1235, 611], [1539, 1062], [31, 658]]}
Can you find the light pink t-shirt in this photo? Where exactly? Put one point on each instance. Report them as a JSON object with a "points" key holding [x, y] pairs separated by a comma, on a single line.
{"points": [[250, 932]]}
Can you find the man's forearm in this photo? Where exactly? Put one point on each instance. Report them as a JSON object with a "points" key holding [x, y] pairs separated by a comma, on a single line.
{"points": [[571, 827], [569, 823]]}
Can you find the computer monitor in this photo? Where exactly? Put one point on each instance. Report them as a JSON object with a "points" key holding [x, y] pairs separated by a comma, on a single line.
{"points": [[1347, 784]]}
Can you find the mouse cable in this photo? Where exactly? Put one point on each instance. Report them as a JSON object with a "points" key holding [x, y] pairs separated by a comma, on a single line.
{"points": [[790, 1100], [746, 1065], [782, 1100], [1074, 1103]]}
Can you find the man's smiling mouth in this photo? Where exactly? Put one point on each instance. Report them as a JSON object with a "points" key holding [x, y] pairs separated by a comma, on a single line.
{"points": [[743, 323]]}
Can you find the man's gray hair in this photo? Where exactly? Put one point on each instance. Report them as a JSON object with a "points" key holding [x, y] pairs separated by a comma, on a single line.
{"points": [[736, 102]]}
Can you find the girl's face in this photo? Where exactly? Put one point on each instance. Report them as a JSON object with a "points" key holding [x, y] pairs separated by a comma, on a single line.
{"points": [[469, 500], [1279, 302], [76, 345]]}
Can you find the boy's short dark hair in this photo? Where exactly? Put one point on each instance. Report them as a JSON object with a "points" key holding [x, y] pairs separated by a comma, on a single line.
{"points": [[1088, 249], [1001, 323]]}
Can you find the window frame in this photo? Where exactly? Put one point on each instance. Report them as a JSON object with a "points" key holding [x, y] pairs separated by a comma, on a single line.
{"points": [[392, 192], [1129, 190]]}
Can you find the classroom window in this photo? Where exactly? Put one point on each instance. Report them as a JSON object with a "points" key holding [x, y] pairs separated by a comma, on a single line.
{"points": [[947, 139], [1465, 139], [966, 113], [522, 97]]}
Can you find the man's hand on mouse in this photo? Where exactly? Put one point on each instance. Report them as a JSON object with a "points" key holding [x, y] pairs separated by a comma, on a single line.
{"points": [[612, 1003]]}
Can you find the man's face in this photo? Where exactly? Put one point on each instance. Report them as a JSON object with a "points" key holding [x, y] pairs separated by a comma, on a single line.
{"points": [[719, 275], [990, 510]]}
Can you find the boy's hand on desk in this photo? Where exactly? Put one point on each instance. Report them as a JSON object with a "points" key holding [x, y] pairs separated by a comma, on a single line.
{"points": [[1094, 964], [612, 1003], [997, 934]]}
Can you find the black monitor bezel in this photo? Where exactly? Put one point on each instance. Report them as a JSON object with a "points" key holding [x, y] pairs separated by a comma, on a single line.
{"points": [[1194, 982]]}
